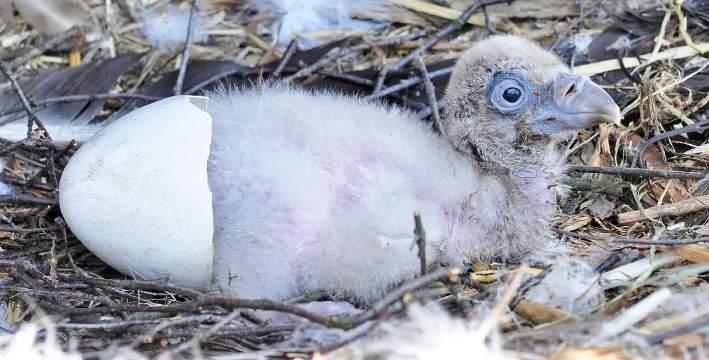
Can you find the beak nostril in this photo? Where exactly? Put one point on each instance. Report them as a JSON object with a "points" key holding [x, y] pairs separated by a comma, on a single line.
{"points": [[571, 89]]}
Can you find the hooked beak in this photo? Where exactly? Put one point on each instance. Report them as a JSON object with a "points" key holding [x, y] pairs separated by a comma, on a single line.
{"points": [[577, 103]]}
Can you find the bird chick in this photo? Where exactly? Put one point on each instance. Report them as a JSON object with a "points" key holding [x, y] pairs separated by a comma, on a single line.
{"points": [[315, 192]]}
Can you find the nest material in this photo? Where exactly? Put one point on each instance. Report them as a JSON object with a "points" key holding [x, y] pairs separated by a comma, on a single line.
{"points": [[614, 222]]}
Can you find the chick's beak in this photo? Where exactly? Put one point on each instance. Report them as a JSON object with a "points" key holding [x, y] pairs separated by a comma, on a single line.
{"points": [[577, 103]]}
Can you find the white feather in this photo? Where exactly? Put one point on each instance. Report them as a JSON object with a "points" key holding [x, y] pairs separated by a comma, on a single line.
{"points": [[168, 30], [430, 333], [296, 17], [571, 285]]}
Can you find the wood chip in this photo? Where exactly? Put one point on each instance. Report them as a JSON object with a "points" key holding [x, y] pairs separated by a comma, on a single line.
{"points": [[696, 253]]}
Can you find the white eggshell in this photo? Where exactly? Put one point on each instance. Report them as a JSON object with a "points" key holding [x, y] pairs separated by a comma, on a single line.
{"points": [[137, 195]]}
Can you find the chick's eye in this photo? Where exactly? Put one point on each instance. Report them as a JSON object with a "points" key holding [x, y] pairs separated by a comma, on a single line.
{"points": [[512, 94], [509, 94]]}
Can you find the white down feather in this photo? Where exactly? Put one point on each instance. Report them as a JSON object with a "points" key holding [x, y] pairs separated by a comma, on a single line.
{"points": [[318, 193]]}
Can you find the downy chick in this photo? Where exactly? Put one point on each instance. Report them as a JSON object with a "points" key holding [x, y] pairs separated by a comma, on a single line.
{"points": [[317, 191]]}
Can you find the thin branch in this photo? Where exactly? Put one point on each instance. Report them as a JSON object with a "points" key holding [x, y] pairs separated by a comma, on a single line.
{"points": [[31, 117], [395, 295], [614, 239], [177, 90], [420, 241], [696, 127], [670, 242], [634, 172], [431, 94], [339, 53], [407, 83], [290, 51], [451, 27], [25, 199], [228, 303]]}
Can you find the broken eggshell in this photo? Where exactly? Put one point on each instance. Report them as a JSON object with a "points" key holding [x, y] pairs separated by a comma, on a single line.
{"points": [[137, 195]]}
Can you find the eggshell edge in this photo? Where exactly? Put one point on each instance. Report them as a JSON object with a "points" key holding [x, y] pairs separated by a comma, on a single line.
{"points": [[158, 224]]}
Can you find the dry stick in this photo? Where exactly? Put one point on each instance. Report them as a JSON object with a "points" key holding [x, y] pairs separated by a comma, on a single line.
{"points": [[25, 103], [395, 295], [453, 26], [696, 127], [352, 336], [336, 54], [613, 239], [136, 285], [228, 303], [199, 337], [25, 199], [407, 83], [676, 242], [422, 114], [667, 174], [290, 51], [431, 94], [420, 241], [177, 90], [349, 77], [50, 167], [672, 209]]}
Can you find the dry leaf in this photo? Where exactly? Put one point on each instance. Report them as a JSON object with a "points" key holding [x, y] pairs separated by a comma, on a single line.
{"points": [[676, 191]]}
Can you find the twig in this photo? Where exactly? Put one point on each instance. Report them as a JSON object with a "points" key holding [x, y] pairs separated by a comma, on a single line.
{"points": [[353, 336], [228, 303], [199, 337], [177, 90], [614, 239], [672, 209], [676, 242], [696, 127], [420, 241], [349, 77], [431, 94], [676, 53], [290, 51], [31, 117], [25, 199], [448, 29], [632, 172], [395, 295], [137, 285], [407, 83], [339, 53]]}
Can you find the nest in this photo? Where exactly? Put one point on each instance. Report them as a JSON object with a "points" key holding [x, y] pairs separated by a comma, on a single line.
{"points": [[636, 193]]}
